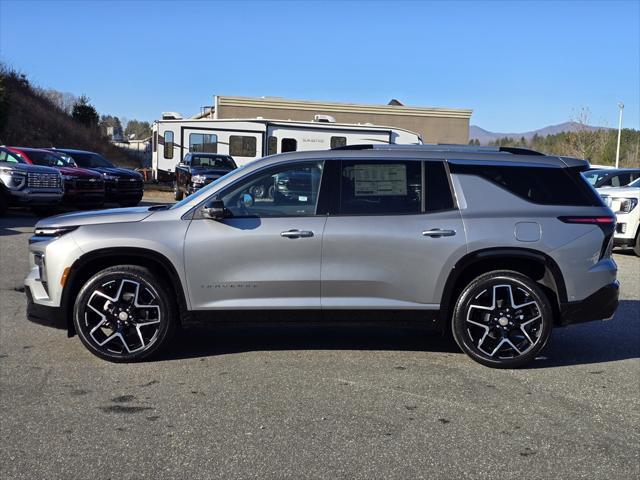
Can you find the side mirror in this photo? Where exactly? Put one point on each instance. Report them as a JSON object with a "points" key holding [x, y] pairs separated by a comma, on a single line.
{"points": [[214, 209]]}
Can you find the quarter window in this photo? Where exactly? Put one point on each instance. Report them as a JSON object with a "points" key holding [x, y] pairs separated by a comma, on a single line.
{"points": [[373, 187], [289, 145], [289, 191], [337, 142], [168, 144], [542, 185], [203, 142], [242, 146]]}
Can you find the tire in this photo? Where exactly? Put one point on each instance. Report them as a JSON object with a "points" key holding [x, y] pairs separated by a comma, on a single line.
{"points": [[258, 191], [177, 193], [128, 334], [488, 328], [636, 245]]}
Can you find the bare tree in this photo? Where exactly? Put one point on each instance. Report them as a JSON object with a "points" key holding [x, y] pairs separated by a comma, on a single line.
{"points": [[586, 141]]}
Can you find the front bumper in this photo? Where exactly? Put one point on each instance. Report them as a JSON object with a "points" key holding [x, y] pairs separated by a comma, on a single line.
{"points": [[601, 305], [30, 197], [44, 315], [124, 191]]}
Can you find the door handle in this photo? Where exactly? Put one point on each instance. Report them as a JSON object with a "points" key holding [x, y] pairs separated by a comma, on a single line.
{"points": [[437, 233], [297, 234]]}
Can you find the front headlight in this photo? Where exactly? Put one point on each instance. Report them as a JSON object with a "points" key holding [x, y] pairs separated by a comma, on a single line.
{"points": [[13, 180], [198, 179], [68, 178], [624, 205]]}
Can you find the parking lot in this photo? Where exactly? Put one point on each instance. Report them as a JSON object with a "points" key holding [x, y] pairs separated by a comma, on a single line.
{"points": [[313, 401]]}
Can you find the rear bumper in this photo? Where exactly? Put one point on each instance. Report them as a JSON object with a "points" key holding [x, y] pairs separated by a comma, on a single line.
{"points": [[599, 306]]}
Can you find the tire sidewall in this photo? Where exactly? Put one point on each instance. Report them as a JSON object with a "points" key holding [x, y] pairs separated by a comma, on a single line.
{"points": [[460, 312], [144, 277]]}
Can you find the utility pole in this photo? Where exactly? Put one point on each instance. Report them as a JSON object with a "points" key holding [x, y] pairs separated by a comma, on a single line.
{"points": [[621, 107]]}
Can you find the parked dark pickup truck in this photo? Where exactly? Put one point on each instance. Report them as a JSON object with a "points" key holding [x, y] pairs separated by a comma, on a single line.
{"points": [[123, 186], [23, 185], [199, 169]]}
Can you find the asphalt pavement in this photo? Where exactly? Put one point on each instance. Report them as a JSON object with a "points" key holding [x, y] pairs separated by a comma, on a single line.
{"points": [[330, 402]]}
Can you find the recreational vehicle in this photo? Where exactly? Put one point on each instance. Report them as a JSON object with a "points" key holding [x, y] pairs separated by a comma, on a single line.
{"points": [[246, 140]]}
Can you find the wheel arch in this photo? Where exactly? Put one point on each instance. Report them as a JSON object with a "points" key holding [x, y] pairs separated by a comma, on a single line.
{"points": [[536, 265], [90, 263]]}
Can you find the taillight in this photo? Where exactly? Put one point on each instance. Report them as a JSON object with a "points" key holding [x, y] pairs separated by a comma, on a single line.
{"points": [[592, 220], [606, 224]]}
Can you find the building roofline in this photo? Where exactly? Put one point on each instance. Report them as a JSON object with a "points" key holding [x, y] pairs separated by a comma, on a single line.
{"points": [[337, 107]]}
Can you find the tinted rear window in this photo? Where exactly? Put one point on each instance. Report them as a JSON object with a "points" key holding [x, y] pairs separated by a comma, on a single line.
{"points": [[542, 185]]}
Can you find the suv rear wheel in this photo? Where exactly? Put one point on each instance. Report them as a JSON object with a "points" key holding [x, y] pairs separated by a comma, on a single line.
{"points": [[502, 319], [125, 313]]}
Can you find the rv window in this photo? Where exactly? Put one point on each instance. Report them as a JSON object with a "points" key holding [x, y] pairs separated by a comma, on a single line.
{"points": [[272, 146], [337, 142], [288, 145], [241, 146], [203, 142], [168, 144]]}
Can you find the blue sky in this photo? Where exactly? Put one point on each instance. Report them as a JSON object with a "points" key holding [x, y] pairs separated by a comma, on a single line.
{"points": [[518, 65]]}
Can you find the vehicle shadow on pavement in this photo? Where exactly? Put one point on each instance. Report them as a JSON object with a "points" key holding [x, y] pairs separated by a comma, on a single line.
{"points": [[588, 343], [211, 340], [596, 342]]}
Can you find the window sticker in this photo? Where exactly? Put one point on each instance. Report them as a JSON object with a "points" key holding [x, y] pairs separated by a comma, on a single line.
{"points": [[380, 180]]}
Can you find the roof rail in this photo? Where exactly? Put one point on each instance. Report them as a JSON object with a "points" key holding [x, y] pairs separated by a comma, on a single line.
{"points": [[442, 147]]}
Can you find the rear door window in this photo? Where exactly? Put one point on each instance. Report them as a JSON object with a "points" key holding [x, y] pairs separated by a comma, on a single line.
{"points": [[372, 187]]}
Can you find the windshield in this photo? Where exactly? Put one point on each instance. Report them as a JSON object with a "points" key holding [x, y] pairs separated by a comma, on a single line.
{"points": [[44, 158], [595, 176], [635, 184], [90, 160], [203, 192], [212, 161]]}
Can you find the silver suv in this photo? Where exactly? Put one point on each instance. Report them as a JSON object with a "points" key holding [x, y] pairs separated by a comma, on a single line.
{"points": [[496, 245]]}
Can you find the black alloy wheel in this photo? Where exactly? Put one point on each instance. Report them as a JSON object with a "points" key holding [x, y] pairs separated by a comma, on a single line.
{"points": [[125, 313], [502, 319]]}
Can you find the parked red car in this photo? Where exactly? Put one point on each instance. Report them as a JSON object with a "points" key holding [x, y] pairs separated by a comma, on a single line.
{"points": [[82, 188]]}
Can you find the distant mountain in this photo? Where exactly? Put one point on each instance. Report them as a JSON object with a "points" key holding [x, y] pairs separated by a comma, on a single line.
{"points": [[485, 136]]}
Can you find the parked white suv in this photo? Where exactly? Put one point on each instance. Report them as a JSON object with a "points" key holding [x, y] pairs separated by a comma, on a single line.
{"points": [[624, 202]]}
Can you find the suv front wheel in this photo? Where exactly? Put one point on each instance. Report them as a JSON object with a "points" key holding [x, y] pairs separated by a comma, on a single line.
{"points": [[125, 313], [502, 319]]}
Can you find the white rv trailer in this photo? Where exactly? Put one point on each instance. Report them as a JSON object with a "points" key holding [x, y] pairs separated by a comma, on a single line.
{"points": [[248, 139]]}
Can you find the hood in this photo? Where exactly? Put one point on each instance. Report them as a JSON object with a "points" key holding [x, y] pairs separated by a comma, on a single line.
{"points": [[112, 215], [619, 191], [209, 171], [117, 172], [27, 168], [78, 172]]}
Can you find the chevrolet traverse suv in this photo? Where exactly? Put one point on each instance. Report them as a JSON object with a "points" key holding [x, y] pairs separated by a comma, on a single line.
{"points": [[497, 245]]}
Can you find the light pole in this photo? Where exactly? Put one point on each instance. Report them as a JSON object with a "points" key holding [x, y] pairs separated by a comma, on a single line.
{"points": [[621, 107]]}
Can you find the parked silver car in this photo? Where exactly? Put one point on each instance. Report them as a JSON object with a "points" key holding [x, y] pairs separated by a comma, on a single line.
{"points": [[496, 245]]}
